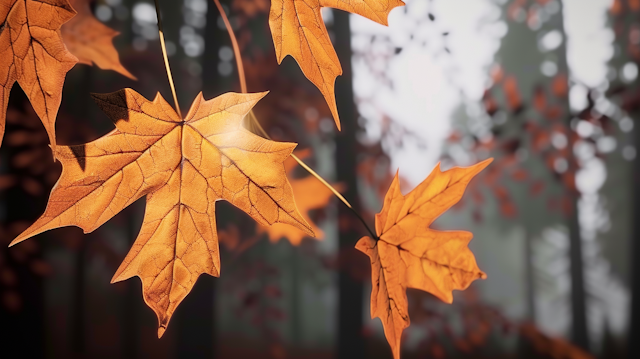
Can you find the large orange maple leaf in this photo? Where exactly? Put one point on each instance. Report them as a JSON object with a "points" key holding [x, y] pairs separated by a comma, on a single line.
{"points": [[91, 41], [298, 30], [32, 53], [409, 254], [184, 166]]}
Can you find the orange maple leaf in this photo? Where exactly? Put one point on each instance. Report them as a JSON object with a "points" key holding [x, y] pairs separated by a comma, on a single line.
{"points": [[184, 166], [298, 30], [32, 53], [409, 254], [91, 41], [309, 194]]}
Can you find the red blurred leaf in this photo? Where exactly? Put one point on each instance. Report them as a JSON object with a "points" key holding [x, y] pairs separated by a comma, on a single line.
{"points": [[508, 209], [520, 175], [560, 85], [536, 188], [512, 94], [539, 99]]}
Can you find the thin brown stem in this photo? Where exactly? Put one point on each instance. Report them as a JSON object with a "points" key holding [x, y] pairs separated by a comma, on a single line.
{"points": [[166, 59], [252, 116], [304, 165]]}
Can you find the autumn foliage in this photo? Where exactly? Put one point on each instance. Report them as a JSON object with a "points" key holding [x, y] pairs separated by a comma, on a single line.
{"points": [[185, 164]]}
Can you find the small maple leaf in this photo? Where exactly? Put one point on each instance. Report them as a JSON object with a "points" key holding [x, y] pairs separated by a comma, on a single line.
{"points": [[310, 194], [184, 166], [91, 41], [298, 30], [32, 53], [409, 254]]}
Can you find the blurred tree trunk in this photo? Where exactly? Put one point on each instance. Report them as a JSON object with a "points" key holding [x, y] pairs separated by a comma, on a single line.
{"points": [[195, 318], [350, 305], [22, 293], [132, 303], [78, 328], [517, 84], [196, 321], [634, 325], [529, 276], [579, 325], [625, 21]]}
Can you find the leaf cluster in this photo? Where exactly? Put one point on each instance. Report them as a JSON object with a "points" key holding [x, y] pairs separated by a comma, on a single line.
{"points": [[185, 164]]}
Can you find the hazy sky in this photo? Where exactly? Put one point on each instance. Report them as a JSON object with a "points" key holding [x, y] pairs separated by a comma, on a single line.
{"points": [[426, 80]]}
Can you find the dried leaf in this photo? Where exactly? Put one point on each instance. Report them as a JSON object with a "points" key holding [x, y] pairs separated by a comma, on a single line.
{"points": [[298, 30], [91, 41], [184, 166], [32, 53], [409, 254]]}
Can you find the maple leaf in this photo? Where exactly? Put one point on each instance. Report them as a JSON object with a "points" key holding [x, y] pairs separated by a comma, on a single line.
{"points": [[409, 254], [184, 166], [32, 53], [298, 30], [310, 194], [91, 41]]}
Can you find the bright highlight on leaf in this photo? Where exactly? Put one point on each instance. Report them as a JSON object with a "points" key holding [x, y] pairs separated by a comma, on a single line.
{"points": [[298, 30], [409, 254], [184, 166], [91, 41], [32, 53]]}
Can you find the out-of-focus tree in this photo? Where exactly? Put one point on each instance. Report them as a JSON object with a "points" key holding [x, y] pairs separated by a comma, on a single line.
{"points": [[624, 92]]}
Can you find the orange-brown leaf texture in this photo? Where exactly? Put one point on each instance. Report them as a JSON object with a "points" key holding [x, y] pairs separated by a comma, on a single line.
{"points": [[298, 30], [310, 194], [32, 53], [409, 254], [91, 41], [183, 166]]}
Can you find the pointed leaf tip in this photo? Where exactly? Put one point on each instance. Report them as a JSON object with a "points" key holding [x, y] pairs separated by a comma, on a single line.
{"points": [[42, 73], [289, 22], [365, 244], [483, 164]]}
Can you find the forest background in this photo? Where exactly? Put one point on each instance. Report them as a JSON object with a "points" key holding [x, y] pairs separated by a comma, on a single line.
{"points": [[546, 87]]}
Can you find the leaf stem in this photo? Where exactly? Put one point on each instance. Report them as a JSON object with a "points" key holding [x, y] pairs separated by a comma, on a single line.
{"points": [[314, 174], [252, 116], [166, 59]]}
